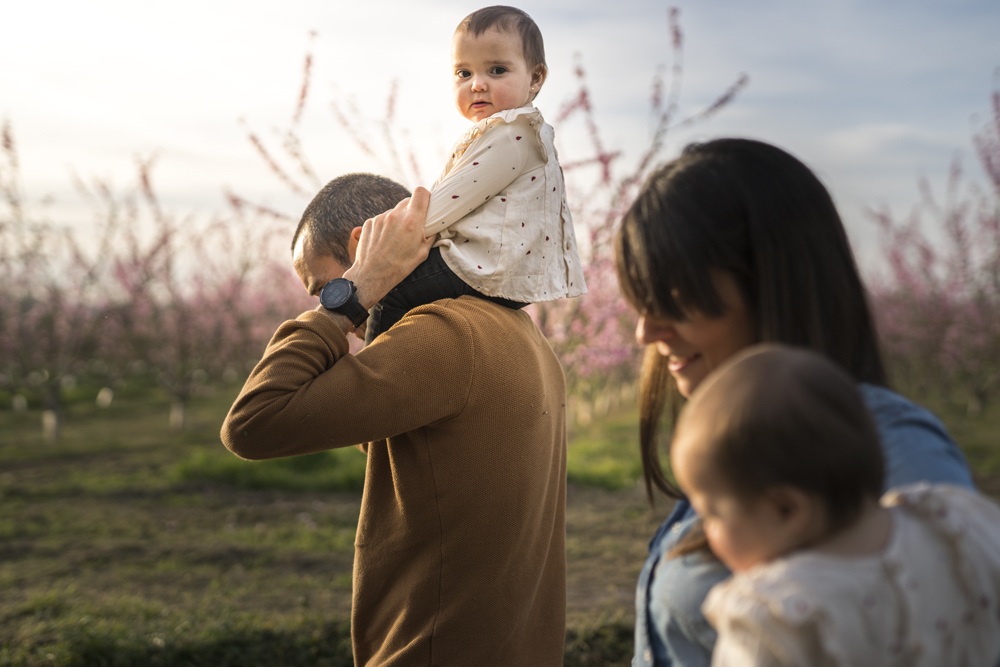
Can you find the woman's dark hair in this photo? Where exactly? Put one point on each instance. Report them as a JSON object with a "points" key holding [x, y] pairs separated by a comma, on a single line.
{"points": [[753, 211], [773, 415]]}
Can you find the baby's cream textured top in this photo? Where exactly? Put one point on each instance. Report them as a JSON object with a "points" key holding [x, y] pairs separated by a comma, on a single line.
{"points": [[499, 208], [932, 597]]}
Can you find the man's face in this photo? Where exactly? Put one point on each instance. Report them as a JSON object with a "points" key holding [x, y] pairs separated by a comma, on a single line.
{"points": [[315, 268]]}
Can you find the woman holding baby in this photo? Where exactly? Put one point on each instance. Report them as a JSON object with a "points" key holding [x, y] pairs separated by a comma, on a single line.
{"points": [[737, 243]]}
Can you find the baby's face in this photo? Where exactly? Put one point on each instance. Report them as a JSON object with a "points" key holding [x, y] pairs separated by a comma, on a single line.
{"points": [[490, 73], [742, 533]]}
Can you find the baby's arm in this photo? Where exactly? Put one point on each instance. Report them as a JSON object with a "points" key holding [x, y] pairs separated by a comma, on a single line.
{"points": [[490, 163], [750, 635], [739, 646]]}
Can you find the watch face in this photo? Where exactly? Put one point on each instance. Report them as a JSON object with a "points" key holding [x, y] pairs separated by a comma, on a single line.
{"points": [[335, 293]]}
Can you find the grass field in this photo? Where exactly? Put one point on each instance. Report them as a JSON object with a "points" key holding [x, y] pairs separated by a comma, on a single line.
{"points": [[130, 544]]}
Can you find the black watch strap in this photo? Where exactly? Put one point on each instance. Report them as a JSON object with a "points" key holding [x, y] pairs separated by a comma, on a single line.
{"points": [[354, 311], [341, 296]]}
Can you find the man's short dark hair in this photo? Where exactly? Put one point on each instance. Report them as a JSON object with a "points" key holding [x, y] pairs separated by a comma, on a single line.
{"points": [[509, 19], [343, 204]]}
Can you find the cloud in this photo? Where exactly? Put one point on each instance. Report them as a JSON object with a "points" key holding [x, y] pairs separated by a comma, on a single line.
{"points": [[867, 142], [870, 94]]}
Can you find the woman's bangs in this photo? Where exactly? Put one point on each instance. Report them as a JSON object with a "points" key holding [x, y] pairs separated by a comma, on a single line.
{"points": [[661, 275]]}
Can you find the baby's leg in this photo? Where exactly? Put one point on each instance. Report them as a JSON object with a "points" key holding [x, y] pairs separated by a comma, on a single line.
{"points": [[507, 303], [430, 281]]}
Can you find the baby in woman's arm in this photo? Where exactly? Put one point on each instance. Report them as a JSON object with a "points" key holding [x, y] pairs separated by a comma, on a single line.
{"points": [[780, 458]]}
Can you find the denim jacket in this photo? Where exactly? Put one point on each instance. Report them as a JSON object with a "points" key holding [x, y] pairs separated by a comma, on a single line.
{"points": [[669, 626]]}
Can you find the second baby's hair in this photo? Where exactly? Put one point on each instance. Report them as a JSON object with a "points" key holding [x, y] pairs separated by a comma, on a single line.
{"points": [[509, 19], [776, 415]]}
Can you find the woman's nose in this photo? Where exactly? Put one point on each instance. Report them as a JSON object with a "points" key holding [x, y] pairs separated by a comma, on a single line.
{"points": [[650, 330]]}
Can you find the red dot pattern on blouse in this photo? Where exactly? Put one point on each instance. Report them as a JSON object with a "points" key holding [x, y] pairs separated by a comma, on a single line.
{"points": [[504, 199]]}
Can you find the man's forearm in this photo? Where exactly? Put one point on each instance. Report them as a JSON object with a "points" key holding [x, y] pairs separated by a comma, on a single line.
{"points": [[290, 404], [273, 415], [391, 246], [309, 394], [370, 290]]}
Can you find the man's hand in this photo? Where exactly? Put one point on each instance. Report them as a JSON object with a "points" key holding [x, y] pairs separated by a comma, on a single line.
{"points": [[361, 330], [392, 245]]}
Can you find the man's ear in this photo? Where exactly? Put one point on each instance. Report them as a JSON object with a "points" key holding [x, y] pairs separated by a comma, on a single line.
{"points": [[352, 243]]}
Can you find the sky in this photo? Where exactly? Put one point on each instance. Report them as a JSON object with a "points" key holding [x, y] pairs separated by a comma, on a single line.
{"points": [[873, 95]]}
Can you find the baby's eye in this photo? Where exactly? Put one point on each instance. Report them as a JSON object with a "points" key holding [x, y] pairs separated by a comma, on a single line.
{"points": [[463, 74], [497, 70]]}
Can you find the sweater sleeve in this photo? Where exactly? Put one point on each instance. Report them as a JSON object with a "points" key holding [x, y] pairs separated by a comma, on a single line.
{"points": [[307, 394], [492, 161]]}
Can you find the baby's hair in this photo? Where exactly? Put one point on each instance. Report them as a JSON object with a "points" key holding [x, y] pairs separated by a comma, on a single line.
{"points": [[776, 415], [509, 19]]}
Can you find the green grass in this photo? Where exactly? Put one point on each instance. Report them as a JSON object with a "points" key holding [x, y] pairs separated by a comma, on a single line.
{"points": [[128, 543], [137, 636], [337, 470], [979, 438], [605, 454]]}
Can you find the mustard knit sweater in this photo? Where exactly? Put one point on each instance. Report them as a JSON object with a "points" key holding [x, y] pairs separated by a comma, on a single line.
{"points": [[460, 551]]}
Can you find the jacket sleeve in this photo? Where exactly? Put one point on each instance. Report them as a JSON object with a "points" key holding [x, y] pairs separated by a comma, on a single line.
{"points": [[915, 443], [307, 394], [491, 163]]}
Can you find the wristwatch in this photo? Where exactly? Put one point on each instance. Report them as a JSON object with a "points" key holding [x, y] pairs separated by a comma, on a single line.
{"points": [[341, 296]]}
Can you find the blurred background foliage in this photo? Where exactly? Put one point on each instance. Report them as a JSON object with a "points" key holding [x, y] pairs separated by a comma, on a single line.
{"points": [[130, 536]]}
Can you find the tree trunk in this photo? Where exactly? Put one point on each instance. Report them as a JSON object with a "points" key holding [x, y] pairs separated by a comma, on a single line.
{"points": [[52, 415], [177, 410], [977, 402], [50, 425]]}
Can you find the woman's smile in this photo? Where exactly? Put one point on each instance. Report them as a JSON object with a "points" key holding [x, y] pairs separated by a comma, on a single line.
{"points": [[677, 364], [693, 346]]}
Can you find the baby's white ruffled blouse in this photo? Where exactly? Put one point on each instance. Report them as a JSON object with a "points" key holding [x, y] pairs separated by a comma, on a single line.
{"points": [[499, 208], [932, 597]]}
